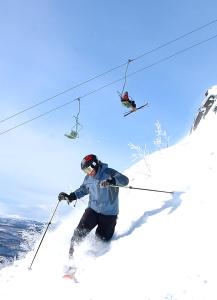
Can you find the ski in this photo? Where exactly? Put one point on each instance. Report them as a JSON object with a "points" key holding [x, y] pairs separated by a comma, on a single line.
{"points": [[132, 111], [70, 274]]}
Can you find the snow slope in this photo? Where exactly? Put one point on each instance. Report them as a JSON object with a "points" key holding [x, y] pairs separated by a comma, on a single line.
{"points": [[164, 246]]}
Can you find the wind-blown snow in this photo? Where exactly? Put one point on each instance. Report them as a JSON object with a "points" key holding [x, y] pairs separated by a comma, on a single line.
{"points": [[164, 246]]}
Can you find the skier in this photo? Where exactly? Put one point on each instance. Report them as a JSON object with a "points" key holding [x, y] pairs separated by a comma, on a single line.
{"points": [[125, 100], [101, 183]]}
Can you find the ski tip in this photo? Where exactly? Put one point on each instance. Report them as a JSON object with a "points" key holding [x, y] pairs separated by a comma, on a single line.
{"points": [[69, 276]]}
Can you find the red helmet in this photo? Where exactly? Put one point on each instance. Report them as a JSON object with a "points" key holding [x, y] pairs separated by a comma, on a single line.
{"points": [[89, 163], [125, 96]]}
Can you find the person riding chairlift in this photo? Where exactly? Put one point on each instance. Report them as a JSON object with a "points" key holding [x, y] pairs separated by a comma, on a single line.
{"points": [[128, 102]]}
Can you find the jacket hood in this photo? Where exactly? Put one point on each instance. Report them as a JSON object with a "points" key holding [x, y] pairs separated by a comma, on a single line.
{"points": [[101, 168]]}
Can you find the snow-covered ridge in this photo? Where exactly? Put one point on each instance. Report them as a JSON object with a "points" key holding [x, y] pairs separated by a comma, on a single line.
{"points": [[208, 102]]}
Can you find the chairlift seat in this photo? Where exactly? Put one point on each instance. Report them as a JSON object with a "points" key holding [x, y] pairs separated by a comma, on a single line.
{"points": [[72, 135]]}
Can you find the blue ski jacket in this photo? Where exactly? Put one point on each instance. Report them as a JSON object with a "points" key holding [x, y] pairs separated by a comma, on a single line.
{"points": [[103, 200]]}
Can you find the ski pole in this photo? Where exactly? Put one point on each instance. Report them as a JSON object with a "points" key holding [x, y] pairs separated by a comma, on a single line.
{"points": [[30, 267], [142, 189]]}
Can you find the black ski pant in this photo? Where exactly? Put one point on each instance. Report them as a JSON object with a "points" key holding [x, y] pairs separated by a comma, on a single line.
{"points": [[90, 219]]}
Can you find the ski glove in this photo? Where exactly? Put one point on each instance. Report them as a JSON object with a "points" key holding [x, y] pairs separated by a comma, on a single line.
{"points": [[107, 182], [68, 197]]}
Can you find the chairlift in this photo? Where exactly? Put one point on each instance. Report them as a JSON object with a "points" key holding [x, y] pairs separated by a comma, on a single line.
{"points": [[74, 131]]}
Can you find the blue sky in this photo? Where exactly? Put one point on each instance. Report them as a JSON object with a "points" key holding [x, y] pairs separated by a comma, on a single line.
{"points": [[50, 46]]}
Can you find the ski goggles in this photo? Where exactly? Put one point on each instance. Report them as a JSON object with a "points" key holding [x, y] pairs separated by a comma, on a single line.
{"points": [[88, 170]]}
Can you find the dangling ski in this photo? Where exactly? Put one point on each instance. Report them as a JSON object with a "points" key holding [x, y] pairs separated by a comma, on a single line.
{"points": [[132, 111]]}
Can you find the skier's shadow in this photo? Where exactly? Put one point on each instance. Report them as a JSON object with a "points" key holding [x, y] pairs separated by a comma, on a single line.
{"points": [[172, 203], [103, 247]]}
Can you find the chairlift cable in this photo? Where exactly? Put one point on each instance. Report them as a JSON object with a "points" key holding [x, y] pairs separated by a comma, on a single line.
{"points": [[108, 71], [113, 82], [125, 75]]}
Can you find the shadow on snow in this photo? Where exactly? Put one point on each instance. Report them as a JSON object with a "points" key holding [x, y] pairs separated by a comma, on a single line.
{"points": [[172, 203]]}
